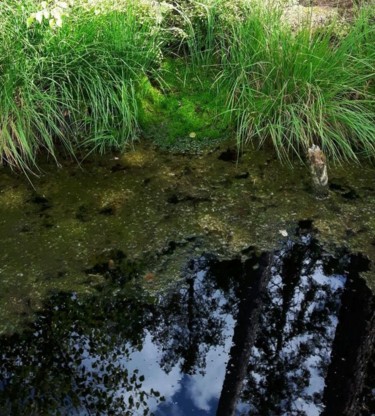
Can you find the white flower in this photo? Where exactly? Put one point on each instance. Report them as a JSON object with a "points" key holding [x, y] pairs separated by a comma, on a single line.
{"points": [[56, 13], [62, 4], [39, 17]]}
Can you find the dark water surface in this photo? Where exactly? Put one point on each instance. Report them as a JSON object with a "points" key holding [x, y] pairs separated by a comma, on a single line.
{"points": [[284, 333]]}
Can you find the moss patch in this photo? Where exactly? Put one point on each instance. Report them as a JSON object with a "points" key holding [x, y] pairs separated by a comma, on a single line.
{"points": [[186, 112]]}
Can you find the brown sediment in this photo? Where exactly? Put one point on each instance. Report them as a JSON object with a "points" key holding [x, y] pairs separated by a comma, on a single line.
{"points": [[159, 210]]}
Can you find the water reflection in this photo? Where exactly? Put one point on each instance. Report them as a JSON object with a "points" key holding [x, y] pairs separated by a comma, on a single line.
{"points": [[290, 358], [245, 336]]}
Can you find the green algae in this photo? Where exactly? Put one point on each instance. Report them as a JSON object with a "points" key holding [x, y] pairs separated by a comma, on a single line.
{"points": [[185, 111], [160, 210]]}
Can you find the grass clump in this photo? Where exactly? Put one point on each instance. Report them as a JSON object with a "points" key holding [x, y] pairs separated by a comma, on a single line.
{"points": [[70, 85], [296, 88]]}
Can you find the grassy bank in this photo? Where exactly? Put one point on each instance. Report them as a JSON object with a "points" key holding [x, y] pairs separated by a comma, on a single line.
{"points": [[73, 85], [303, 87], [96, 75]]}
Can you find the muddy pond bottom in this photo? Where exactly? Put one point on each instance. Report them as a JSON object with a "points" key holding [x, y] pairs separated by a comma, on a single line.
{"points": [[282, 333]]}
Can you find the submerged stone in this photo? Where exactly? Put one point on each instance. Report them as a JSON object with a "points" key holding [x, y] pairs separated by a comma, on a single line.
{"points": [[318, 169]]}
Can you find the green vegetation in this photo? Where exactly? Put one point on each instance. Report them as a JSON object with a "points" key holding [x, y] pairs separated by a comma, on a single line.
{"points": [[75, 84], [300, 88], [184, 113], [99, 74]]}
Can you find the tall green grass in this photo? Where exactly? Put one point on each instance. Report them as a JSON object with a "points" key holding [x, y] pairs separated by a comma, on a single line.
{"points": [[298, 88], [78, 86], [74, 85]]}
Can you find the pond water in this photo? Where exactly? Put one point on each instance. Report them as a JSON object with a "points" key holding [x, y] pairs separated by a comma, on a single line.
{"points": [[152, 283], [258, 334]]}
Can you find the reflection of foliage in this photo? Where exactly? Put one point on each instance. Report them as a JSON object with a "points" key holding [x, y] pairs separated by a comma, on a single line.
{"points": [[76, 358], [72, 361], [297, 327], [192, 319]]}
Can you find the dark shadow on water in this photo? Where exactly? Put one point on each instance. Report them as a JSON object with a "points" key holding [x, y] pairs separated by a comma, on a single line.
{"points": [[285, 333]]}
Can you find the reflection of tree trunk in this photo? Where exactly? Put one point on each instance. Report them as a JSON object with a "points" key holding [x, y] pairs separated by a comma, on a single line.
{"points": [[191, 352], [254, 285], [353, 346], [292, 265]]}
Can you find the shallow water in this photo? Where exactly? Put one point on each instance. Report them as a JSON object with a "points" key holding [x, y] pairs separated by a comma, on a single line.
{"points": [[153, 275], [150, 212], [183, 351]]}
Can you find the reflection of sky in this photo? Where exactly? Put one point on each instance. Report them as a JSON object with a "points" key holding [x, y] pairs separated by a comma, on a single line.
{"points": [[196, 394], [314, 363], [204, 389], [328, 288], [185, 394], [146, 361]]}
